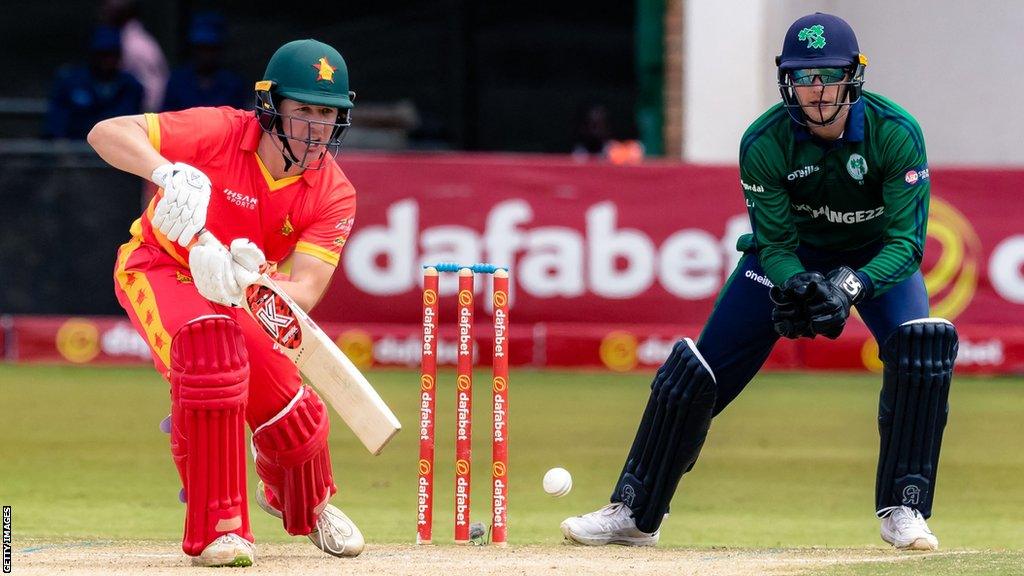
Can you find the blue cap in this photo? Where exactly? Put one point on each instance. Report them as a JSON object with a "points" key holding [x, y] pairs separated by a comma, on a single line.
{"points": [[818, 41], [105, 39], [206, 29]]}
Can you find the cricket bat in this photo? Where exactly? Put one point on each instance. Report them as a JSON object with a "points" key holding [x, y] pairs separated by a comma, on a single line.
{"points": [[318, 358]]}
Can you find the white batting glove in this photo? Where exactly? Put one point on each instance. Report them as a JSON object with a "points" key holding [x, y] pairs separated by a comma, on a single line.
{"points": [[181, 213], [222, 275], [247, 261]]}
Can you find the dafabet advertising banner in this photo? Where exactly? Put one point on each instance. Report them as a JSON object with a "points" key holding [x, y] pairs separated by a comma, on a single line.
{"points": [[608, 265]]}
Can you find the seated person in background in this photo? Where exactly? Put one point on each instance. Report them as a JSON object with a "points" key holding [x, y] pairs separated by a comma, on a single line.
{"points": [[593, 139], [204, 81], [83, 95]]}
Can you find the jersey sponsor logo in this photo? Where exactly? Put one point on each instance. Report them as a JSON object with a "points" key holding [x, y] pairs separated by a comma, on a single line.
{"points": [[814, 36], [239, 199], [840, 217], [914, 176], [851, 285], [857, 166], [802, 172], [751, 187], [759, 278]]}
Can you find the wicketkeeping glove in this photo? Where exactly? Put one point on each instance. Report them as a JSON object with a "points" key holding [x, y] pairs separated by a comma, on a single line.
{"points": [[828, 315], [789, 316], [181, 212]]}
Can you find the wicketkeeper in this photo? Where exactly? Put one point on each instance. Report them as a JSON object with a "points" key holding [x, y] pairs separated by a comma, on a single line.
{"points": [[266, 184], [837, 186]]}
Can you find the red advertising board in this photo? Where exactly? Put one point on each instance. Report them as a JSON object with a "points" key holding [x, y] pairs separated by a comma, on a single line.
{"points": [[616, 347], [626, 244], [609, 265]]}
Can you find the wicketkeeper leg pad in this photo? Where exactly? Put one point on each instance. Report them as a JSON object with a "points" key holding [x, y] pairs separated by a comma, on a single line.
{"points": [[671, 434], [209, 386], [294, 462], [918, 360]]}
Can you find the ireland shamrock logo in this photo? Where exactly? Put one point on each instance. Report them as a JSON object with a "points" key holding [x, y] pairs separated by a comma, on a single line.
{"points": [[815, 36], [857, 166]]}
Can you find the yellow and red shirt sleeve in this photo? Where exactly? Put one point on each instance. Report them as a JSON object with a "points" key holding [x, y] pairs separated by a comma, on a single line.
{"points": [[191, 136], [325, 238]]}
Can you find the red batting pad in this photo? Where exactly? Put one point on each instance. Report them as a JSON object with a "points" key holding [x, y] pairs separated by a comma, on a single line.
{"points": [[294, 462], [209, 385]]}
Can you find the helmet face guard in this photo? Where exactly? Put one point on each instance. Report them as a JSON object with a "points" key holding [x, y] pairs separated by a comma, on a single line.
{"points": [[284, 127], [823, 47], [849, 93]]}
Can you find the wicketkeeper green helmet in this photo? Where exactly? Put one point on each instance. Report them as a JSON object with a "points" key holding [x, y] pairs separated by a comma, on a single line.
{"points": [[310, 72]]}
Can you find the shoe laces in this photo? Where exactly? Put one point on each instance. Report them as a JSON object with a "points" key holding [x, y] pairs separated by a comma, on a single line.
{"points": [[325, 525], [612, 516], [907, 518]]}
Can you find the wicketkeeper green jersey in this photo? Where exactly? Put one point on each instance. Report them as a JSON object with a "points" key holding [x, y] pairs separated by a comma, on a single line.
{"points": [[869, 186]]}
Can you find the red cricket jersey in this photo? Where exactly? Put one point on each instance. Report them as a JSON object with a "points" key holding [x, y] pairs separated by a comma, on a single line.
{"points": [[311, 213]]}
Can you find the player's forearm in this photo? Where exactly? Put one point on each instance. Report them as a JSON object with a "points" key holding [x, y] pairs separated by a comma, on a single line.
{"points": [[124, 144], [779, 264], [305, 294], [896, 262]]}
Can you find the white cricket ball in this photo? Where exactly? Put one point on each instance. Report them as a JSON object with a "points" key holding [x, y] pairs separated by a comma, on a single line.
{"points": [[557, 482]]}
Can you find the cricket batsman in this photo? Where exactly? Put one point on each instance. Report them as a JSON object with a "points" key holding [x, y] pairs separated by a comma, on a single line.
{"points": [[837, 187], [266, 184]]}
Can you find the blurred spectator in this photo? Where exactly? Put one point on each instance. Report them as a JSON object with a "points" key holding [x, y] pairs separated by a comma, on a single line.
{"points": [[594, 140], [593, 132], [204, 81], [85, 94], [141, 54]]}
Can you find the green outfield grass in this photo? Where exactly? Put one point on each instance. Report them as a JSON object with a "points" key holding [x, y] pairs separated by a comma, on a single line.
{"points": [[790, 464]]}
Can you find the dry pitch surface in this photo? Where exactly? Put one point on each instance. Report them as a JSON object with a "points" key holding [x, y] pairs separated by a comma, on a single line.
{"points": [[157, 558]]}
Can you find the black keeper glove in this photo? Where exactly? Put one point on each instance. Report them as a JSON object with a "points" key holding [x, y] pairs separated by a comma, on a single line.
{"points": [[789, 316], [828, 315]]}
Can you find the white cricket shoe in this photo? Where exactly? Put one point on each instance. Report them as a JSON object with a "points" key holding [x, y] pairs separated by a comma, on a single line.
{"points": [[335, 533], [226, 550], [612, 524], [906, 529]]}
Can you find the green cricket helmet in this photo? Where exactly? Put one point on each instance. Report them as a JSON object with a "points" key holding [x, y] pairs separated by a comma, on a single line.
{"points": [[310, 72], [820, 47]]}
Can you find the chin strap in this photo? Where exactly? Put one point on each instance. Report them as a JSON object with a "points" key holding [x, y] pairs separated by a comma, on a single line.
{"points": [[286, 150]]}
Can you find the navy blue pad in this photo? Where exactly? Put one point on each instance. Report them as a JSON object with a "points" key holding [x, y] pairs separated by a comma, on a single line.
{"points": [[918, 359], [671, 434]]}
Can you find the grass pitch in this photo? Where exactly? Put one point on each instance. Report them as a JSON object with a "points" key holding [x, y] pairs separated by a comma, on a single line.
{"points": [[791, 463]]}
